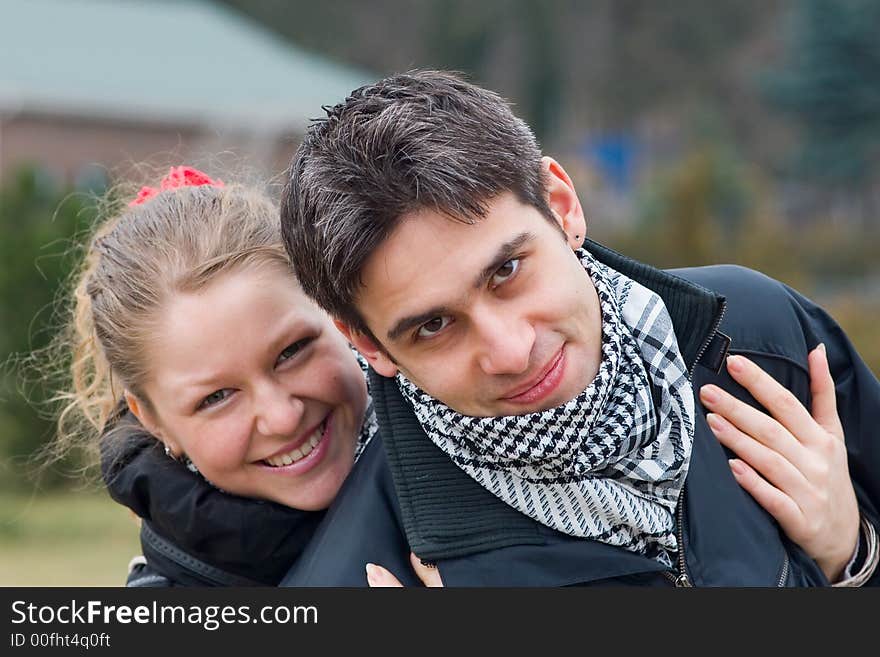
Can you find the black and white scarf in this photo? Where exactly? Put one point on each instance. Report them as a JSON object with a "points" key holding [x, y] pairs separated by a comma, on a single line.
{"points": [[609, 464], [370, 424]]}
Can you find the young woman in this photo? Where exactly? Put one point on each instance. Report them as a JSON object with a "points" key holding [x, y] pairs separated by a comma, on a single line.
{"points": [[230, 409]]}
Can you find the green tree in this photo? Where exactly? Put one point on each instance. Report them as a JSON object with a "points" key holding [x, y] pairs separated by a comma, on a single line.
{"points": [[830, 85], [37, 222]]}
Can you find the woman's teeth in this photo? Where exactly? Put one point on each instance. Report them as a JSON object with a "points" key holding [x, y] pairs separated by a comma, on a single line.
{"points": [[298, 453]]}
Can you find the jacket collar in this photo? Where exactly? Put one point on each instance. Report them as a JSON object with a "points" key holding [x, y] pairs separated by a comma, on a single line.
{"points": [[695, 311], [445, 513]]}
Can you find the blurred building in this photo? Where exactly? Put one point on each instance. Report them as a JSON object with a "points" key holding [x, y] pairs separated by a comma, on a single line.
{"points": [[90, 86]]}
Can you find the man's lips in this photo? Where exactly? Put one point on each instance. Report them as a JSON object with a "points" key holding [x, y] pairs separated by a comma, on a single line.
{"points": [[543, 384]]}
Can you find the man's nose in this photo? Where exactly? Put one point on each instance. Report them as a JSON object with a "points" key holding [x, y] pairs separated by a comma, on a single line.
{"points": [[278, 412], [505, 343]]}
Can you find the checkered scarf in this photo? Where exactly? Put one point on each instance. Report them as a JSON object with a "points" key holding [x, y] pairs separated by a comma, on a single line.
{"points": [[607, 465], [370, 425]]}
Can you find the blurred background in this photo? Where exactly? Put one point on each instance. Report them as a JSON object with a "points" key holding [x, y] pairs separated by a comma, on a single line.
{"points": [[738, 131]]}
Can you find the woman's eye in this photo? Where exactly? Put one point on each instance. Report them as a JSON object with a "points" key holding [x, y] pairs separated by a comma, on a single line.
{"points": [[215, 398], [292, 350], [505, 271], [433, 327]]}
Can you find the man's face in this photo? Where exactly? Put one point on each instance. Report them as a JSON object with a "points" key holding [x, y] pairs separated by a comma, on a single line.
{"points": [[492, 318]]}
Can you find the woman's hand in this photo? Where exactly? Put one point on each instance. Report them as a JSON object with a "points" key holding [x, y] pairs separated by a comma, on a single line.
{"points": [[793, 463], [377, 576]]}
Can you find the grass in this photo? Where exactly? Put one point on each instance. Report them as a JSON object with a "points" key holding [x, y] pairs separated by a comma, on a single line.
{"points": [[65, 539]]}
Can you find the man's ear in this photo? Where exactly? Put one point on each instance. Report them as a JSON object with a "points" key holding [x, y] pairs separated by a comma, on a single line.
{"points": [[564, 202], [376, 356]]}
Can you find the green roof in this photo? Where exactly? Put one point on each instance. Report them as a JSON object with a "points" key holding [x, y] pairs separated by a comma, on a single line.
{"points": [[186, 61]]}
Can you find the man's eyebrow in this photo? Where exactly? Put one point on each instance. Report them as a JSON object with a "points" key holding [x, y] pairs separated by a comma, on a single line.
{"points": [[412, 321], [505, 252]]}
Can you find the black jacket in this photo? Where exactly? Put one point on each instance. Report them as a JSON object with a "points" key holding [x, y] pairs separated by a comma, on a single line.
{"points": [[193, 534], [406, 494]]}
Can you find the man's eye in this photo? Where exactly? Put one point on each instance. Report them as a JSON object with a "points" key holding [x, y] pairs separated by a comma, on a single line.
{"points": [[292, 350], [433, 327], [215, 398], [505, 271]]}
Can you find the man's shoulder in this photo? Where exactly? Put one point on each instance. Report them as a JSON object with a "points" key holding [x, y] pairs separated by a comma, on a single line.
{"points": [[734, 281], [763, 315]]}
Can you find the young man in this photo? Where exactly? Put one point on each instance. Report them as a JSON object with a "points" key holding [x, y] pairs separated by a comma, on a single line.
{"points": [[536, 391]]}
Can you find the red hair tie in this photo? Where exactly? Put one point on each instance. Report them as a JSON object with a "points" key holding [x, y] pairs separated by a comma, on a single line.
{"points": [[181, 176]]}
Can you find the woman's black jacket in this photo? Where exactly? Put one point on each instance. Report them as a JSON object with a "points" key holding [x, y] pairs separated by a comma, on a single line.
{"points": [[193, 534]]}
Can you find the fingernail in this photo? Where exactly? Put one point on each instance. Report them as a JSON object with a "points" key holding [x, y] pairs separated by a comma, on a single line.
{"points": [[822, 347], [709, 394], [738, 468], [734, 363], [372, 574], [715, 422]]}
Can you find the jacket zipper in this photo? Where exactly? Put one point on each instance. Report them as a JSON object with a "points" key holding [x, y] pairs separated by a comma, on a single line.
{"points": [[680, 578], [708, 340], [784, 574]]}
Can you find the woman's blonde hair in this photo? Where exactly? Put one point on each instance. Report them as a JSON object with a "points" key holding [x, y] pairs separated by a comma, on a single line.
{"points": [[177, 241]]}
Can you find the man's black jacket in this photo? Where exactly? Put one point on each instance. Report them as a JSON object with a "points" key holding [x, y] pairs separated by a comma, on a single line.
{"points": [[405, 494]]}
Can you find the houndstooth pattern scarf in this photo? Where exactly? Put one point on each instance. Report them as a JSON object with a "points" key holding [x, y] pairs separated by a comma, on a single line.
{"points": [[607, 465], [370, 425]]}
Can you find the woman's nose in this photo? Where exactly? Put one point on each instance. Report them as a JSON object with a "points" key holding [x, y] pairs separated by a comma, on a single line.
{"points": [[279, 413]]}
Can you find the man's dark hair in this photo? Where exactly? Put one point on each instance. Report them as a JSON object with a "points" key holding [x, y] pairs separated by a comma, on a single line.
{"points": [[421, 140]]}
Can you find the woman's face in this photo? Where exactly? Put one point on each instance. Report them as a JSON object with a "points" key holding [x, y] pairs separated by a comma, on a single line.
{"points": [[255, 385]]}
